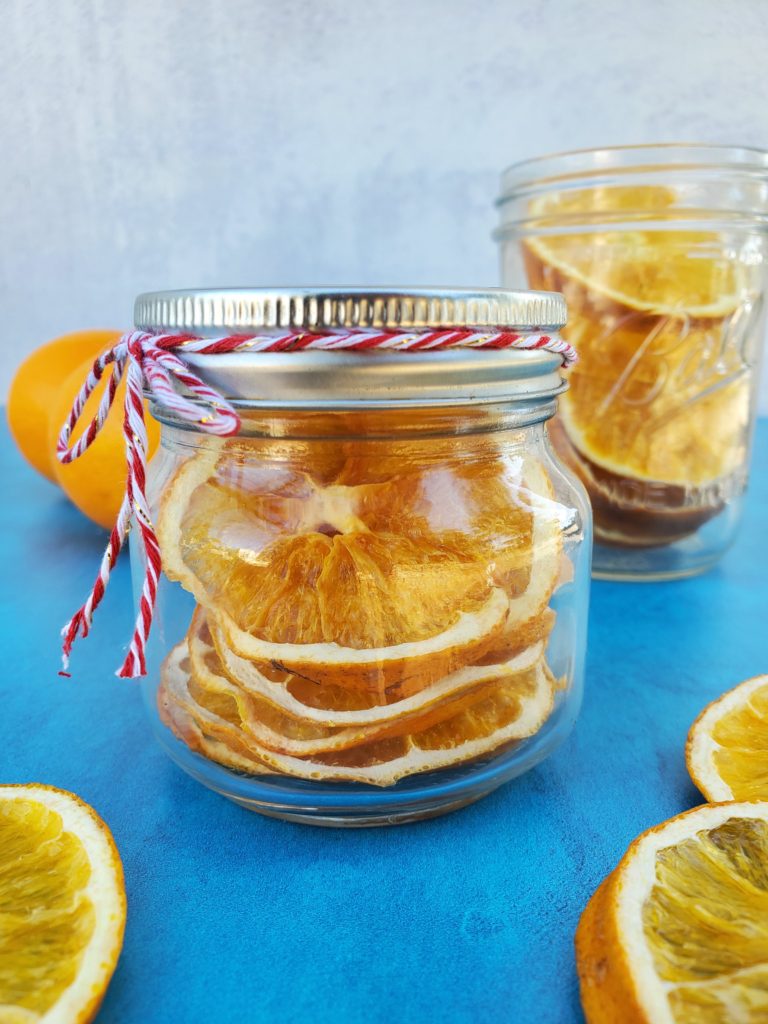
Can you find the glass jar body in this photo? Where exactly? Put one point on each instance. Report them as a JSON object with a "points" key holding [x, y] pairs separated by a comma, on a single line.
{"points": [[365, 616], [662, 255]]}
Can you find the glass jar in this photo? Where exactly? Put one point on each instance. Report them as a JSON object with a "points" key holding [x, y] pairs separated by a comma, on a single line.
{"points": [[374, 598], [660, 252]]}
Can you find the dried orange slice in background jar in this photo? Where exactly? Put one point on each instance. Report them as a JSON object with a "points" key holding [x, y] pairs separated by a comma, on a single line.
{"points": [[374, 596], [661, 255]]}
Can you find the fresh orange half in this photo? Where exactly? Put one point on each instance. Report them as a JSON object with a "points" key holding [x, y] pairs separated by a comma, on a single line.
{"points": [[62, 907], [211, 724], [727, 748], [678, 933]]}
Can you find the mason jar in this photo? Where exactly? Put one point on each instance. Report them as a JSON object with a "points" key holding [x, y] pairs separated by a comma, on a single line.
{"points": [[373, 605], [660, 252]]}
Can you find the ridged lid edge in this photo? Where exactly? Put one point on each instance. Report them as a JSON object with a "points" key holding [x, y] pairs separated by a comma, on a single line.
{"points": [[206, 311]]}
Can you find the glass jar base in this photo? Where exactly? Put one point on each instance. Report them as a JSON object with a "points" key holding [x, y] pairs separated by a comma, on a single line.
{"points": [[357, 820], [637, 574], [689, 556], [354, 805]]}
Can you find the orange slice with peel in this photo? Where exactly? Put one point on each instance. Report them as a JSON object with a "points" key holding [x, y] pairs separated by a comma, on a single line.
{"points": [[370, 586], [373, 446], [176, 667], [267, 721], [678, 933], [517, 639], [399, 669], [292, 562], [62, 906], [660, 270], [513, 712], [186, 728], [339, 706], [727, 748]]}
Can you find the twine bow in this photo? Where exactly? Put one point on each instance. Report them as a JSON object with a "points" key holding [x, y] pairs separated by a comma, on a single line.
{"points": [[149, 363]]}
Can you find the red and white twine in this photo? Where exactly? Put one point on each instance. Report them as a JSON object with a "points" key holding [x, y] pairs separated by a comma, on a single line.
{"points": [[149, 363]]}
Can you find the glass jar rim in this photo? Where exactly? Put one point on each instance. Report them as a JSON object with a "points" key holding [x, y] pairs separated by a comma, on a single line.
{"points": [[571, 166]]}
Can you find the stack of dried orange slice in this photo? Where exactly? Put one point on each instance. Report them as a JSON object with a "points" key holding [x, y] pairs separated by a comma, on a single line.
{"points": [[365, 610], [656, 417]]}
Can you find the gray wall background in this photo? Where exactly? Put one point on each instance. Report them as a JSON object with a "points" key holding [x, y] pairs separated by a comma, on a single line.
{"points": [[161, 143]]}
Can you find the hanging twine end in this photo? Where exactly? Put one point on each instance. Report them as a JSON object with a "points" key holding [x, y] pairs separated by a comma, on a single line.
{"points": [[135, 664], [64, 670], [130, 671]]}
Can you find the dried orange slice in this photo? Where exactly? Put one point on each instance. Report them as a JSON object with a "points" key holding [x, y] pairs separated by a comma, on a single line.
{"points": [[678, 933], [270, 724], [661, 390], [701, 286], [727, 748], [264, 544], [176, 669], [307, 442], [62, 906], [373, 586], [332, 705], [514, 711], [518, 638], [698, 284], [395, 670], [431, 445]]}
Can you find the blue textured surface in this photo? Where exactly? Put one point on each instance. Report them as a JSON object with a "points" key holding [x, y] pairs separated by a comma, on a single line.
{"points": [[237, 918]]}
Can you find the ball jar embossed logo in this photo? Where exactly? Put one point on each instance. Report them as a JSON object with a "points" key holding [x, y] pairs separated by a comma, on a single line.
{"points": [[680, 358]]}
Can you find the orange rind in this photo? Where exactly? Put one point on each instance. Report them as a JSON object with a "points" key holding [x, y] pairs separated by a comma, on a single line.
{"points": [[401, 669], [513, 712], [727, 748], [267, 720], [678, 933], [339, 706]]}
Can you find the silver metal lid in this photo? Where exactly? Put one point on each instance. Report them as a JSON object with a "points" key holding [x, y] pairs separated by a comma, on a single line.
{"points": [[206, 311], [313, 379]]}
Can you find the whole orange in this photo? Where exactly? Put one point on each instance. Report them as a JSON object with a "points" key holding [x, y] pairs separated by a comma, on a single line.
{"points": [[35, 389], [95, 482]]}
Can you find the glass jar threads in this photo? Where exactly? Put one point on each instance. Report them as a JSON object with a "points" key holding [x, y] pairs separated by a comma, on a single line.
{"points": [[374, 599], [661, 254]]}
